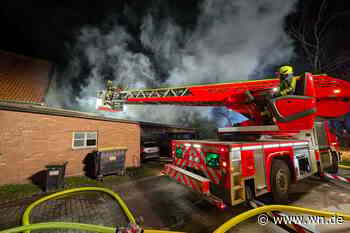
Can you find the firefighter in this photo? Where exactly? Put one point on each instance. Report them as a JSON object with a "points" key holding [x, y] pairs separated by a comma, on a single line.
{"points": [[287, 87], [287, 81]]}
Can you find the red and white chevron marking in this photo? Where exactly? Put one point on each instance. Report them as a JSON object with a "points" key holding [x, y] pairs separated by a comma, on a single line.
{"points": [[335, 177], [197, 183], [213, 174]]}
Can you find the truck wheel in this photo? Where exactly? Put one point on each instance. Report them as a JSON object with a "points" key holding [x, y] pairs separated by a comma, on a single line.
{"points": [[280, 180]]}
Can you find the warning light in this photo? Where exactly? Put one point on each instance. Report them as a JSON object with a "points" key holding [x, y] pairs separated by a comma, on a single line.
{"points": [[222, 149], [179, 153], [336, 91], [222, 206], [224, 164], [212, 160]]}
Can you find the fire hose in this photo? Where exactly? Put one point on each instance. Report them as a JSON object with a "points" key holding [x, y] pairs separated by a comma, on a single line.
{"points": [[118, 199], [344, 166], [222, 229], [27, 227], [268, 208], [72, 226]]}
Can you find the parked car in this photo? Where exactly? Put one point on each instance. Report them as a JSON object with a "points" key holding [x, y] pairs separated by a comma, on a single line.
{"points": [[149, 149]]}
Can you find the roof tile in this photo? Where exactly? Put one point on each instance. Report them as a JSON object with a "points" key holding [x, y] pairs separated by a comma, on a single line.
{"points": [[22, 78]]}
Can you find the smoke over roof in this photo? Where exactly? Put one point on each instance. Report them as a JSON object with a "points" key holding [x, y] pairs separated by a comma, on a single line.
{"points": [[230, 40]]}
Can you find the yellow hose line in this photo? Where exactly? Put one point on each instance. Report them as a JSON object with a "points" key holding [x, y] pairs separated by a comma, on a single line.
{"points": [[250, 213], [60, 225], [158, 231], [344, 166], [27, 212], [72, 226]]}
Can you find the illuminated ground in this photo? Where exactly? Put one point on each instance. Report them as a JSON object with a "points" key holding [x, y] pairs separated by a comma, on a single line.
{"points": [[165, 204]]}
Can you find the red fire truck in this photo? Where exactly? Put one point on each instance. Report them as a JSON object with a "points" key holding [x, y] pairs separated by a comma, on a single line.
{"points": [[255, 157]]}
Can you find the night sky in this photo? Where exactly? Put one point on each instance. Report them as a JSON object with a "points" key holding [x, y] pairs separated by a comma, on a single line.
{"points": [[49, 29]]}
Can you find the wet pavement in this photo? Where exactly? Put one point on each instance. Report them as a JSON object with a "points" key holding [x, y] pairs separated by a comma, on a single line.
{"points": [[164, 204]]}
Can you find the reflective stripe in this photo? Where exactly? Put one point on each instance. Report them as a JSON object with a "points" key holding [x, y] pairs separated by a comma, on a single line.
{"points": [[342, 179], [235, 148], [300, 143], [190, 164], [335, 177], [271, 146], [190, 174], [172, 172], [287, 144], [178, 162], [214, 175], [184, 178], [181, 164], [194, 185], [266, 146], [202, 168], [251, 147], [179, 179], [197, 146]]}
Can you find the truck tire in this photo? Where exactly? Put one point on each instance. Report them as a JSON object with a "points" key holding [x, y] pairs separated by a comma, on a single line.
{"points": [[280, 180]]}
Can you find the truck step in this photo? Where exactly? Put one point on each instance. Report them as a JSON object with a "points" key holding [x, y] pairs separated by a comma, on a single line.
{"points": [[194, 181]]}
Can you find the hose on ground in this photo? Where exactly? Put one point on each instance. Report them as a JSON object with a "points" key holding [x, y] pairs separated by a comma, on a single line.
{"points": [[251, 213], [118, 199], [344, 166], [72, 226]]}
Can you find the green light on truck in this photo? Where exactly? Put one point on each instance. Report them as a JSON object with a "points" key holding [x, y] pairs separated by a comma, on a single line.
{"points": [[179, 152], [212, 160]]}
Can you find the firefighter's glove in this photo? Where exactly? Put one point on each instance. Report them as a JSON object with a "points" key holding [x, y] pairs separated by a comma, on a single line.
{"points": [[286, 91]]}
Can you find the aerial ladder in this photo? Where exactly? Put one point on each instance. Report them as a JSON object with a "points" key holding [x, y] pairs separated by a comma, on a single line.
{"points": [[294, 144], [316, 96]]}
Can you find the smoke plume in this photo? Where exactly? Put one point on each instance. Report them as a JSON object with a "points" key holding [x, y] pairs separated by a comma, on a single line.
{"points": [[231, 40]]}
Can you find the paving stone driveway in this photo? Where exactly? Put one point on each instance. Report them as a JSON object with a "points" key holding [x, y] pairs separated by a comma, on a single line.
{"points": [[165, 204]]}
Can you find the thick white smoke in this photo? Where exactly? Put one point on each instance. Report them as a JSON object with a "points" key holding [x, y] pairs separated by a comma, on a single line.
{"points": [[233, 40]]}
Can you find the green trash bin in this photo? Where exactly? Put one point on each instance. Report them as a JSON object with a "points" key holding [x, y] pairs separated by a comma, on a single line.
{"points": [[55, 176]]}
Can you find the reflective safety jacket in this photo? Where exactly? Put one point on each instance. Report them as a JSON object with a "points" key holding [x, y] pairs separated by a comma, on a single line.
{"points": [[287, 86]]}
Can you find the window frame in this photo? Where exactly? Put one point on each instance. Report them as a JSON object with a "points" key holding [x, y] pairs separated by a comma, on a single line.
{"points": [[85, 139]]}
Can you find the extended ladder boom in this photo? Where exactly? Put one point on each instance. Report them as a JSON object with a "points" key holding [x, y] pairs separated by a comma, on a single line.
{"points": [[315, 96], [222, 94]]}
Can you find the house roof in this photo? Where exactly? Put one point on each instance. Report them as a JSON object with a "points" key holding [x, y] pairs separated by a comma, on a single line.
{"points": [[40, 109], [23, 79], [17, 107]]}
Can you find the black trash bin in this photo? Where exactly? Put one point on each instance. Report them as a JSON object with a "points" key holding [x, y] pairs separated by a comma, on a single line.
{"points": [[109, 161], [55, 176]]}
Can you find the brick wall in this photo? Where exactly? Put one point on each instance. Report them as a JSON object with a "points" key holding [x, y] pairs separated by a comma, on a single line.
{"points": [[29, 141]]}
